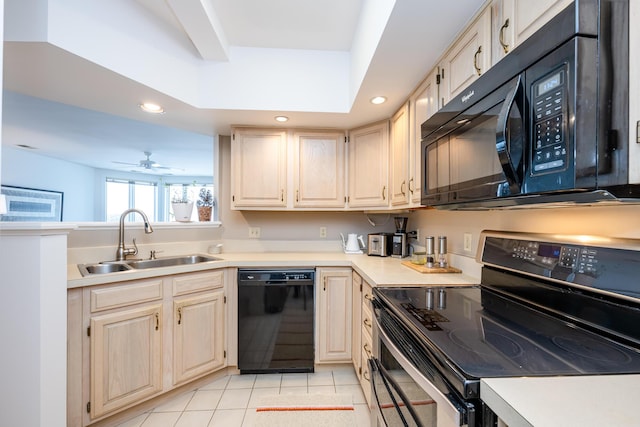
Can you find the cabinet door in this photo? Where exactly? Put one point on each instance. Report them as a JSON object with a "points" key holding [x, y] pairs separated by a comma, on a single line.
{"points": [[468, 59], [259, 174], [424, 104], [319, 170], [126, 358], [516, 20], [369, 166], [333, 315], [356, 319], [400, 157], [198, 335]]}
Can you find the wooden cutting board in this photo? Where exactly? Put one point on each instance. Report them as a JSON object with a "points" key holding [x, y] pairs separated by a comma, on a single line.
{"points": [[425, 269]]}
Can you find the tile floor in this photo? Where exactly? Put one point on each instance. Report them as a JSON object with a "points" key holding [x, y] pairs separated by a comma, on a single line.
{"points": [[231, 401]]}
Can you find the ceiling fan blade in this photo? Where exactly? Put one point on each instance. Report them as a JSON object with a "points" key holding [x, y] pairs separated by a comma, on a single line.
{"points": [[125, 163]]}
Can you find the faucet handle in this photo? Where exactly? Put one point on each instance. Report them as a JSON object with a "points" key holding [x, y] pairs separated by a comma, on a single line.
{"points": [[133, 251]]}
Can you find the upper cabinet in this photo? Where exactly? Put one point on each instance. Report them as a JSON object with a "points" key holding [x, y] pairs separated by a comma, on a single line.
{"points": [[319, 169], [399, 183], [259, 168], [369, 167], [469, 57], [423, 104], [516, 20]]}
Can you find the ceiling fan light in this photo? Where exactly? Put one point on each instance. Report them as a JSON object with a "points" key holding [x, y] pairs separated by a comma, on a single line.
{"points": [[150, 107]]}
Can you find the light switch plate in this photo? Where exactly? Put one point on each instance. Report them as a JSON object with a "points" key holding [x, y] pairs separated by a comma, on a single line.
{"points": [[468, 238]]}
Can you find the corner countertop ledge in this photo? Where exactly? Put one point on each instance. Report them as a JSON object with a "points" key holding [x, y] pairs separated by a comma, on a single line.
{"points": [[584, 401]]}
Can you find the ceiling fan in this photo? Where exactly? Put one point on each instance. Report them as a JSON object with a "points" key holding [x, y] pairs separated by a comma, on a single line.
{"points": [[147, 164]]}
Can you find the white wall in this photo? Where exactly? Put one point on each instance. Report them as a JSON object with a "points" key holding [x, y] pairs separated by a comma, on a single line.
{"points": [[21, 168]]}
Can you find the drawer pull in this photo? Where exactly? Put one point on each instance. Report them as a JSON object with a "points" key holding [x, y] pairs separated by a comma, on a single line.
{"points": [[367, 349], [179, 315], [365, 375], [367, 323], [505, 46], [157, 321], [368, 296]]}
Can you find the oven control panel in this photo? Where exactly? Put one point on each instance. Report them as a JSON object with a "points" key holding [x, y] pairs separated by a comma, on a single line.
{"points": [[604, 268]]}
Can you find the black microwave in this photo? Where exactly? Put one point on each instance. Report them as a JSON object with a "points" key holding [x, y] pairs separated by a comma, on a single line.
{"points": [[546, 124]]}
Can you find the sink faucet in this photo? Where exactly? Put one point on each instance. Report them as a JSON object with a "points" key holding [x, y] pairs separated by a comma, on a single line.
{"points": [[122, 252]]}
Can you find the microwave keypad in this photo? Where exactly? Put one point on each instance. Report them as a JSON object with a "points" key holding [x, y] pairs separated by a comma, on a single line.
{"points": [[549, 148]]}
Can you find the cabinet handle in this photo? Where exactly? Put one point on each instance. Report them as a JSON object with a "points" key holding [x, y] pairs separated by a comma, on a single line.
{"points": [[367, 349], [402, 188], [157, 321], [475, 60], [297, 195], [282, 195], [324, 286], [505, 47], [410, 189], [365, 375], [384, 192], [179, 315], [367, 323], [368, 296]]}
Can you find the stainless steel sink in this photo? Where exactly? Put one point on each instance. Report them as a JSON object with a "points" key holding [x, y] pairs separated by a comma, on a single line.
{"points": [[86, 269], [115, 266], [170, 261]]}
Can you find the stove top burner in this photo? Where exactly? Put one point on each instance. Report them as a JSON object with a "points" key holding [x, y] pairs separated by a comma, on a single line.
{"points": [[471, 341], [591, 349]]}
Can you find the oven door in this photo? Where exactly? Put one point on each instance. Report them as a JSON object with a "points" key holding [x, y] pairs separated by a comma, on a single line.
{"points": [[403, 396]]}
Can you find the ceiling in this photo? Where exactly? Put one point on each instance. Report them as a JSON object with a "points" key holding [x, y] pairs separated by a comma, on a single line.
{"points": [[216, 63]]}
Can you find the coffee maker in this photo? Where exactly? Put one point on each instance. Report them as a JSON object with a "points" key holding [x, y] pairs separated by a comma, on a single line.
{"points": [[400, 246]]}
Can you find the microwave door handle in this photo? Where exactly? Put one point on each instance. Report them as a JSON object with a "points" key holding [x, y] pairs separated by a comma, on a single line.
{"points": [[509, 146]]}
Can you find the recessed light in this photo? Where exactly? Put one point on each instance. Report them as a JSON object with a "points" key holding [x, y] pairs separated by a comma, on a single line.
{"points": [[150, 107], [378, 100], [282, 119]]}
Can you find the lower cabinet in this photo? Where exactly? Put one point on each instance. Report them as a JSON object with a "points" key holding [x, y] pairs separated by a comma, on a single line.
{"points": [[126, 358], [131, 341], [362, 332], [333, 315], [198, 335]]}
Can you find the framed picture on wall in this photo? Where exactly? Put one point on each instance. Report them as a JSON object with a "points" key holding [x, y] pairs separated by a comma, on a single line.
{"points": [[30, 204]]}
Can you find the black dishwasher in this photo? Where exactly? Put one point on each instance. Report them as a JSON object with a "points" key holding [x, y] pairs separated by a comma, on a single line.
{"points": [[275, 321]]}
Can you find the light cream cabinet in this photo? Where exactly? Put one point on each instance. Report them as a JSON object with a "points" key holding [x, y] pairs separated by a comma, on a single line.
{"points": [[423, 104], [399, 145], [516, 20], [199, 335], [126, 358], [333, 315], [319, 169], [259, 168], [369, 166], [469, 57], [362, 332], [132, 341]]}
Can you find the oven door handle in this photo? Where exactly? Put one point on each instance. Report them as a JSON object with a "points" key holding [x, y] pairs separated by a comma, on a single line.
{"points": [[509, 137], [390, 383], [459, 414]]}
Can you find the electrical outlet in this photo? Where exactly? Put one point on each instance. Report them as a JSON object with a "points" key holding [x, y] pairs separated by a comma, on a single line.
{"points": [[468, 237], [254, 232], [418, 235], [323, 232]]}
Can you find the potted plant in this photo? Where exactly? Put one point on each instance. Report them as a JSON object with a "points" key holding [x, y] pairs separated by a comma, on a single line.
{"points": [[182, 207], [205, 205]]}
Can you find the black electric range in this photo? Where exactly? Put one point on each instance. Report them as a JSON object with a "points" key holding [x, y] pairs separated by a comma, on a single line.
{"points": [[546, 306]]}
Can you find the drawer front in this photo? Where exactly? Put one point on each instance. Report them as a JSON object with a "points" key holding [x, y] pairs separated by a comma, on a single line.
{"points": [[191, 283], [365, 378], [357, 280], [116, 296], [367, 295]]}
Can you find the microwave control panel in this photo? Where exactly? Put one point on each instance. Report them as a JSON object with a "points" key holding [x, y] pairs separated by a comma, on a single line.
{"points": [[549, 147]]}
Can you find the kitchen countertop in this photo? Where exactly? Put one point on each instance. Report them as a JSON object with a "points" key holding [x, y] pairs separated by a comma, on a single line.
{"points": [[584, 401], [378, 271]]}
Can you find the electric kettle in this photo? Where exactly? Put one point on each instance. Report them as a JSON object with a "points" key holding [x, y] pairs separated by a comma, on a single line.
{"points": [[353, 245]]}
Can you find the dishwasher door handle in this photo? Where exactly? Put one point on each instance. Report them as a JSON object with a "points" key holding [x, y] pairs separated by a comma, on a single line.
{"points": [[275, 283]]}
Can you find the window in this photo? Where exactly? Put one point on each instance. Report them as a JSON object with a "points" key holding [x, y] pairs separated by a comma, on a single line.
{"points": [[123, 194]]}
